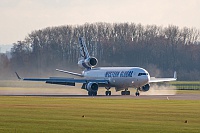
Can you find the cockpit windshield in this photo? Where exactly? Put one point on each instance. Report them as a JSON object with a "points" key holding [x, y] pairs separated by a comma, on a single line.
{"points": [[140, 74]]}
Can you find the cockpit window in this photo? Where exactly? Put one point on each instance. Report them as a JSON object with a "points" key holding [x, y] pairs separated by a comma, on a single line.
{"points": [[140, 74]]}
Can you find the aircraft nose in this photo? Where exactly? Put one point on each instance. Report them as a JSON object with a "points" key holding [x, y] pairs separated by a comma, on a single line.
{"points": [[148, 78], [145, 79]]}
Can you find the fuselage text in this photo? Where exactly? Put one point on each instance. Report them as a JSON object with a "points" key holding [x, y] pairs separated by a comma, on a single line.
{"points": [[119, 74]]}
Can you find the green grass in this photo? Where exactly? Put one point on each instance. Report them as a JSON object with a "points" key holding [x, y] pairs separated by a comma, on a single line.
{"points": [[185, 82], [51, 114], [186, 85], [188, 92]]}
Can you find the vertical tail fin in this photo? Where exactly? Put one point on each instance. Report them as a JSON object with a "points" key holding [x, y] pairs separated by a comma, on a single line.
{"points": [[86, 61], [83, 49]]}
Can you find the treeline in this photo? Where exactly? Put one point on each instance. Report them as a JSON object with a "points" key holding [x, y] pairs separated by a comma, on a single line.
{"points": [[161, 50]]}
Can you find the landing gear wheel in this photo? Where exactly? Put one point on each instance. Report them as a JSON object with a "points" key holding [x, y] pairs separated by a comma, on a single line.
{"points": [[89, 93], [92, 93], [125, 93], [108, 93], [137, 94], [122, 92], [128, 93]]}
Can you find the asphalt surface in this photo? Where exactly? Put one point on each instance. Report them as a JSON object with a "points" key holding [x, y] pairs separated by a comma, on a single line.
{"points": [[163, 97], [80, 93]]}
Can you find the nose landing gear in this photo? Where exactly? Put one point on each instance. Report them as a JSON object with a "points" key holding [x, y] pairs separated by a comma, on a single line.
{"points": [[137, 93], [108, 93]]}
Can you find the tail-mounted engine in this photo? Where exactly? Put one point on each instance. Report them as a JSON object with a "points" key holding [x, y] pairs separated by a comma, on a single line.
{"points": [[145, 88], [88, 63]]}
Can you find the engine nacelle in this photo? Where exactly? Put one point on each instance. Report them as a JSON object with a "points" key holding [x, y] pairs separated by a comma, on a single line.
{"points": [[88, 63], [145, 88], [92, 87], [92, 62]]}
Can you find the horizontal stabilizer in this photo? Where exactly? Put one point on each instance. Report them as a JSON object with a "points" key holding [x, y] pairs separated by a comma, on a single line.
{"points": [[72, 73]]}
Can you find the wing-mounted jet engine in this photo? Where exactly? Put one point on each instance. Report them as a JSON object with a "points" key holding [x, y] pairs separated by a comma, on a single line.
{"points": [[91, 87], [145, 87]]}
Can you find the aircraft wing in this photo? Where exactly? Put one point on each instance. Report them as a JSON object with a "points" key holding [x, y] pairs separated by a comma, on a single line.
{"points": [[64, 81], [156, 80]]}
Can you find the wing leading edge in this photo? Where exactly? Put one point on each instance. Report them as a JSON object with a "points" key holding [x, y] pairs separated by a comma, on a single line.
{"points": [[156, 80], [64, 81]]}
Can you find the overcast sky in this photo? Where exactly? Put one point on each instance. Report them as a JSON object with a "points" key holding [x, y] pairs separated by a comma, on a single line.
{"points": [[19, 17]]}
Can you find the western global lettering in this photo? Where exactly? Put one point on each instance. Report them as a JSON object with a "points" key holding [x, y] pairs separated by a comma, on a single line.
{"points": [[112, 73], [119, 74], [126, 74]]}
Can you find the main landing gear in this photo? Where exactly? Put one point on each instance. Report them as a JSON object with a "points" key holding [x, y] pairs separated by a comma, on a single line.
{"points": [[126, 92], [90, 93]]}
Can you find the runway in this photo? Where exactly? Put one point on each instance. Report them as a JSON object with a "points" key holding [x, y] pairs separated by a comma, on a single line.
{"points": [[150, 97], [70, 92]]}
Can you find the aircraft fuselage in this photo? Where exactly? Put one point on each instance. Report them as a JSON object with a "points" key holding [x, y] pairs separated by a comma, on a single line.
{"points": [[120, 77]]}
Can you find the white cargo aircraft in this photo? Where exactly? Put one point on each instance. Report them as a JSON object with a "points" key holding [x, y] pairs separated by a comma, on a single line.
{"points": [[92, 78]]}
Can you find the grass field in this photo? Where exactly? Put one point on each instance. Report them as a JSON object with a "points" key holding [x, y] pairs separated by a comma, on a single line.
{"points": [[57, 114], [186, 85], [63, 114]]}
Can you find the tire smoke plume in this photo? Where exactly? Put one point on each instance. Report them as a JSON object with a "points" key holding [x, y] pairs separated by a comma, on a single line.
{"points": [[160, 90]]}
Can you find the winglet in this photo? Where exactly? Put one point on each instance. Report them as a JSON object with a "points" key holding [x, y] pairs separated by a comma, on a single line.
{"points": [[18, 76], [175, 75]]}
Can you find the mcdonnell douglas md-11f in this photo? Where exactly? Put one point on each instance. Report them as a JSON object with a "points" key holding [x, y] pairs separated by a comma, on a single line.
{"points": [[92, 78]]}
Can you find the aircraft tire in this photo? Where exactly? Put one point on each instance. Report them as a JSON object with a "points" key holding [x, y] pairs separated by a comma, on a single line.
{"points": [[137, 94], [89, 93], [127, 92], [94, 93], [123, 93], [108, 93]]}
